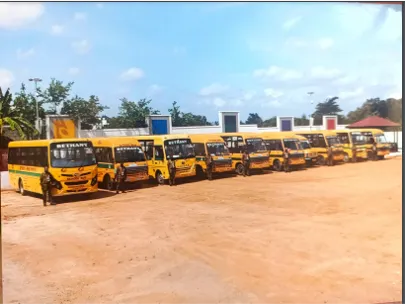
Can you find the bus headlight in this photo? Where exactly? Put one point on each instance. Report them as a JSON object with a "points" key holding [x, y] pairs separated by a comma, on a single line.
{"points": [[94, 180]]}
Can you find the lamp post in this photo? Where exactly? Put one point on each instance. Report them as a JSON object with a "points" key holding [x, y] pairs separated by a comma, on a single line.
{"points": [[310, 97], [36, 80]]}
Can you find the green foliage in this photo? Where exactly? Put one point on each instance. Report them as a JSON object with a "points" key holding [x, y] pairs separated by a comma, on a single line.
{"points": [[87, 111], [11, 117], [328, 107], [271, 122], [55, 95], [132, 114], [181, 119], [254, 119]]}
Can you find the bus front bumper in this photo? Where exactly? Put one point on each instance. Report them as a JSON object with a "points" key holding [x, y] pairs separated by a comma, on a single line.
{"points": [[259, 165]]}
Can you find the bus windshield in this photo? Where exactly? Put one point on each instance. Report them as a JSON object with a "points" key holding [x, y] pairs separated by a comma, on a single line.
{"points": [[72, 154], [179, 148], [129, 154], [255, 145], [380, 138], [332, 140], [358, 138], [217, 149], [305, 144], [291, 143]]}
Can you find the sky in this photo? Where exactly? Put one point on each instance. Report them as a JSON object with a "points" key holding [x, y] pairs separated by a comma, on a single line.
{"points": [[209, 57]]}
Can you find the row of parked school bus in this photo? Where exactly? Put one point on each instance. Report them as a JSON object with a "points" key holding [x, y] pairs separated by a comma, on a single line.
{"points": [[80, 166]]}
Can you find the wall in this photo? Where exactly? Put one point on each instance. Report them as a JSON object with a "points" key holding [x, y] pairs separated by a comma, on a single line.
{"points": [[113, 132]]}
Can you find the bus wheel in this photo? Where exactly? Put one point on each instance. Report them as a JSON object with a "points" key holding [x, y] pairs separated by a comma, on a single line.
{"points": [[346, 158], [380, 157], [277, 165], [108, 183], [200, 172], [21, 187], [239, 169], [321, 160], [159, 178]]}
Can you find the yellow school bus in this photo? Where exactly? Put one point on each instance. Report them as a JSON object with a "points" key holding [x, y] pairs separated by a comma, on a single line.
{"points": [[370, 135], [158, 149], [214, 145], [237, 142], [277, 142], [354, 140], [320, 141], [71, 162], [311, 156], [111, 152]]}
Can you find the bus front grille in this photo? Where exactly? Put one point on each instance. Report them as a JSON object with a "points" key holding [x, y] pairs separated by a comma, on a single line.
{"points": [[76, 183]]}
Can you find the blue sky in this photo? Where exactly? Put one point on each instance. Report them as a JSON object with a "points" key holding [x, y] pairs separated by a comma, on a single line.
{"points": [[249, 57]]}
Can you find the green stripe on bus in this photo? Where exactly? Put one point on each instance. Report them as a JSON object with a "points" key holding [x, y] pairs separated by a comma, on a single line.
{"points": [[105, 166], [25, 173]]}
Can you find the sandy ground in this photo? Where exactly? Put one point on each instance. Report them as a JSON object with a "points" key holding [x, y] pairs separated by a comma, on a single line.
{"points": [[323, 235]]}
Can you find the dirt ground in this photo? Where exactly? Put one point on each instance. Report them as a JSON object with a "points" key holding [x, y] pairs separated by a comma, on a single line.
{"points": [[323, 235]]}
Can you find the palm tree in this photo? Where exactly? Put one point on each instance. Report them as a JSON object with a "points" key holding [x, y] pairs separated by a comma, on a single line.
{"points": [[9, 116]]}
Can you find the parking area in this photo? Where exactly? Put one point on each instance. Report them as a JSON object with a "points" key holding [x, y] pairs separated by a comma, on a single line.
{"points": [[322, 235]]}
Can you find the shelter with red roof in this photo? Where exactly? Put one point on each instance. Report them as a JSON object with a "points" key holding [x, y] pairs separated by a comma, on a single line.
{"points": [[374, 122]]}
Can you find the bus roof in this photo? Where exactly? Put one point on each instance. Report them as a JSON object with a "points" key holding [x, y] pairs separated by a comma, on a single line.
{"points": [[115, 141], [206, 138], [365, 130], [161, 137], [242, 134], [278, 135], [323, 132], [44, 142]]}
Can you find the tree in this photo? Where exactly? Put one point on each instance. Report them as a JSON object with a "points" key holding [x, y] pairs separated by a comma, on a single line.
{"points": [[176, 114], [132, 114], [181, 119], [328, 107], [301, 121], [25, 106], [87, 111], [55, 95], [254, 119], [271, 122], [9, 116]]}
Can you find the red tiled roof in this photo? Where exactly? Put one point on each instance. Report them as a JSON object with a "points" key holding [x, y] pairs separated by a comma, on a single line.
{"points": [[372, 122]]}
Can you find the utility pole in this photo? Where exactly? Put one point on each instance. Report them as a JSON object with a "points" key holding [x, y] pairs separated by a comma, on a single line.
{"points": [[37, 121], [310, 97]]}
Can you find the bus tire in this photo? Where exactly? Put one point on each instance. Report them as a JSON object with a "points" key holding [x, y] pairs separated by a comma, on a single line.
{"points": [[108, 183], [21, 189], [200, 172], [380, 157], [159, 178], [276, 165], [346, 158], [321, 160], [239, 169]]}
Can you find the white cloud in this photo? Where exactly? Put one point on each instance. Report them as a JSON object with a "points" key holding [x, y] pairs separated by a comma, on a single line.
{"points": [[132, 74], [391, 29], [73, 71], [324, 73], [100, 5], [21, 54], [6, 79], [16, 15], [325, 43], [155, 89], [56, 29], [249, 95], [271, 104], [296, 42], [289, 24], [352, 94], [218, 102], [213, 89], [80, 16], [81, 46], [278, 73], [273, 93]]}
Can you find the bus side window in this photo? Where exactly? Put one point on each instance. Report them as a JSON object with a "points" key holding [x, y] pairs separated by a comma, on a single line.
{"points": [[199, 149], [158, 153], [41, 157]]}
